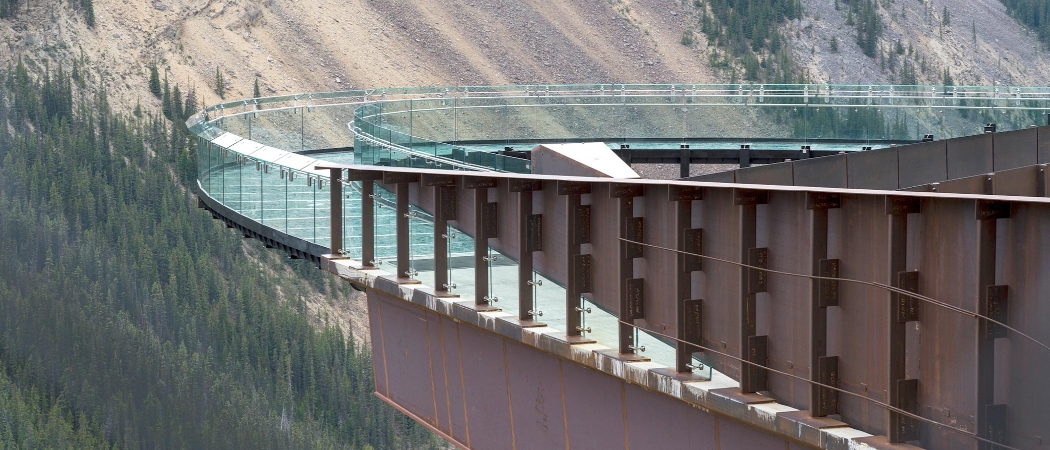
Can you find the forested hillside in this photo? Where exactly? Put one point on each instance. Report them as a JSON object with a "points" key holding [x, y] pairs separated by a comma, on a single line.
{"points": [[130, 319], [1033, 13]]}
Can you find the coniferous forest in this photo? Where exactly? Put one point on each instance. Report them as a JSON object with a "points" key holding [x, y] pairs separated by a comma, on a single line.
{"points": [[130, 319], [1033, 13]]}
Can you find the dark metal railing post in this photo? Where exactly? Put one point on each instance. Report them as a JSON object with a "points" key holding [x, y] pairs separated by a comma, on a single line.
{"points": [[632, 301], [368, 223], [577, 265], [992, 302], [336, 208], [902, 392], [485, 227], [444, 210], [752, 346], [690, 311], [824, 369]]}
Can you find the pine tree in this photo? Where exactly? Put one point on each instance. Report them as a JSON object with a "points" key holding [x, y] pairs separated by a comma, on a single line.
{"points": [[89, 12], [154, 80], [220, 84], [255, 89], [166, 99]]}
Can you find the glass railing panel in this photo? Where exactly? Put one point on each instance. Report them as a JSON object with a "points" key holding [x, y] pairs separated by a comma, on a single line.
{"points": [[301, 206], [274, 201], [599, 324], [421, 245], [461, 262], [280, 128], [503, 281], [322, 212], [385, 230], [231, 183], [662, 351]]}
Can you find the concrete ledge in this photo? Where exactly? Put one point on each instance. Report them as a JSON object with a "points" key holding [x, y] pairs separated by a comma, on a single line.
{"points": [[806, 428]]}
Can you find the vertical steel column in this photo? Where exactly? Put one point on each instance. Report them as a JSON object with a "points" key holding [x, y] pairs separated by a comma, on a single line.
{"points": [[902, 393], [625, 210], [573, 305], [578, 266], [481, 249], [404, 254], [822, 401], [484, 228], [368, 223], [991, 301], [688, 239], [444, 210], [752, 347], [526, 305], [368, 219], [683, 161], [404, 250], [335, 197]]}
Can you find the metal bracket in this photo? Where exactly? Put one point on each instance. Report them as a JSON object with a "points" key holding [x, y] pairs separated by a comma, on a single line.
{"points": [[997, 310], [490, 220], [685, 193], [822, 200], [582, 272], [534, 233], [573, 187], [908, 400], [829, 289], [692, 321], [750, 197], [692, 242], [757, 347], [634, 232], [827, 374], [757, 280], [582, 233], [902, 205], [991, 210], [635, 298], [621, 190], [908, 307]]}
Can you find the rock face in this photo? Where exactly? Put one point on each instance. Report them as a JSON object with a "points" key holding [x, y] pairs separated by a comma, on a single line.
{"points": [[306, 46]]}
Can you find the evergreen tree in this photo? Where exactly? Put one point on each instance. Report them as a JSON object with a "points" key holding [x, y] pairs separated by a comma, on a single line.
{"points": [[89, 12], [255, 89], [220, 84], [154, 80]]}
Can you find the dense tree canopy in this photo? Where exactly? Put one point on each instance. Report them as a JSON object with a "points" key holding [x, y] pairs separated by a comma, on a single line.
{"points": [[130, 319]]}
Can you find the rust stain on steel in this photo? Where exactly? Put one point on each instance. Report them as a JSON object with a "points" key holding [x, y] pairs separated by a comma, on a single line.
{"points": [[564, 413], [444, 369], [626, 433], [430, 360], [510, 401], [382, 346], [463, 384]]}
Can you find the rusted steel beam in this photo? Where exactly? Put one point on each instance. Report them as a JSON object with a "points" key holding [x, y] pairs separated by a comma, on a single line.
{"points": [[900, 428], [631, 300], [335, 197], [753, 347], [690, 311], [444, 210], [991, 417], [822, 401], [484, 228], [404, 249], [528, 229], [368, 223]]}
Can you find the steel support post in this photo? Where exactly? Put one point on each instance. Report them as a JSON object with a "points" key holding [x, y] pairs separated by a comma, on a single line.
{"points": [[526, 285], [822, 401], [481, 249], [625, 263], [335, 197], [573, 313], [404, 248], [753, 347], [443, 196], [991, 301], [368, 223], [902, 393]]}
